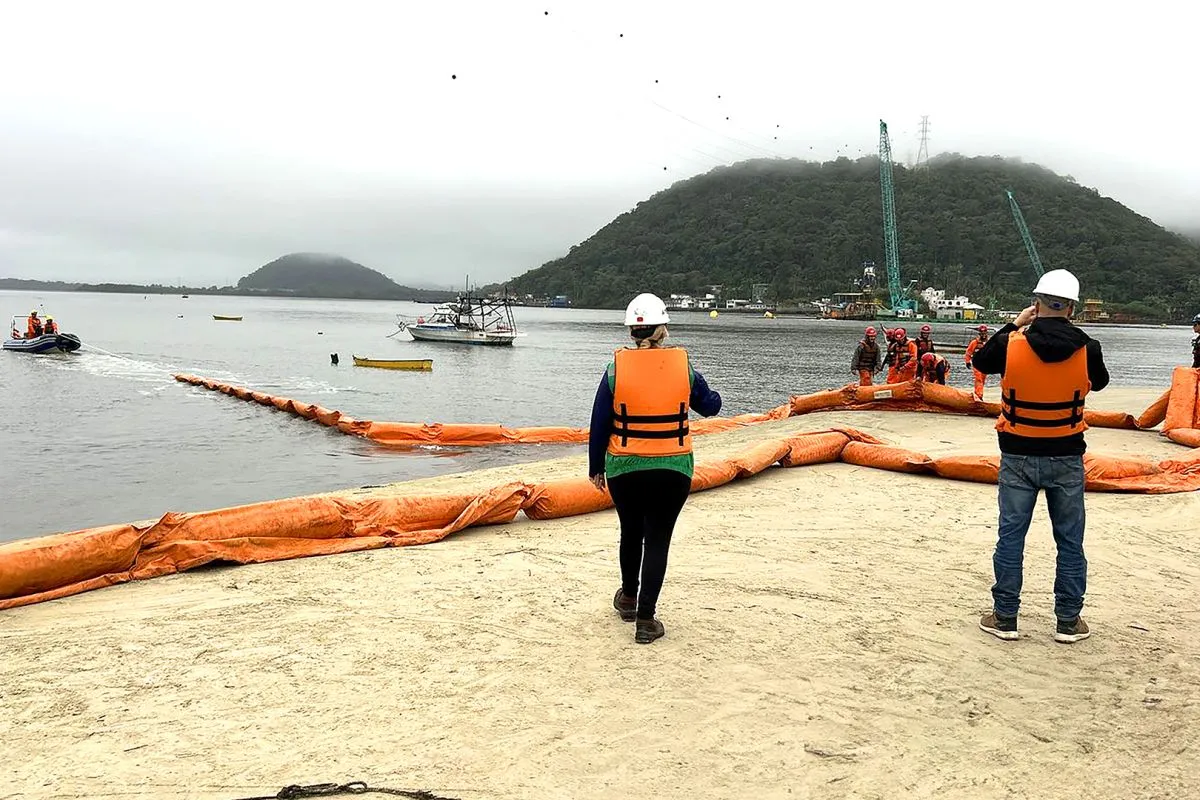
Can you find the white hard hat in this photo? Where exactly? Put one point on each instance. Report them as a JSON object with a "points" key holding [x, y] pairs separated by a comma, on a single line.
{"points": [[646, 309], [1059, 283]]}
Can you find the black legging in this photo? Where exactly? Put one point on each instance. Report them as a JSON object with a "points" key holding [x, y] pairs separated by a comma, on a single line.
{"points": [[648, 503]]}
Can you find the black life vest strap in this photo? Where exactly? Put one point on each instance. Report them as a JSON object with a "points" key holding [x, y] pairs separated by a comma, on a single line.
{"points": [[1011, 405], [622, 420]]}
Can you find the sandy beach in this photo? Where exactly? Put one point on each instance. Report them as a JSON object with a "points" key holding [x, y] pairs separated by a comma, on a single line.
{"points": [[822, 642]]}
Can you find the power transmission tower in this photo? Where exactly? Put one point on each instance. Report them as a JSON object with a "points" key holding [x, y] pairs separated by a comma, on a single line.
{"points": [[923, 152]]}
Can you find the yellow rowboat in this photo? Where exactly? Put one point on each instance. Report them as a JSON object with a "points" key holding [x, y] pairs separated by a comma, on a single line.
{"points": [[228, 319], [420, 364]]}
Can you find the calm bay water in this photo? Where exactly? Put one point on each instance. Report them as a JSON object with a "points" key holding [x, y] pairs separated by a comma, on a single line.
{"points": [[92, 438]]}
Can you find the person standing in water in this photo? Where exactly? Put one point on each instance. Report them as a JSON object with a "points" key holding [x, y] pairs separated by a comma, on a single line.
{"points": [[640, 447]]}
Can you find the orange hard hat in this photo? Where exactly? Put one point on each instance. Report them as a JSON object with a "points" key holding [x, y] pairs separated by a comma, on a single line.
{"points": [[870, 331], [925, 329], [928, 359], [900, 333], [983, 328]]}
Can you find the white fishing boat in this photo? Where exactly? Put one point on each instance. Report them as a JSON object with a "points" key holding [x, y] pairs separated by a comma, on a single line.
{"points": [[468, 320]]}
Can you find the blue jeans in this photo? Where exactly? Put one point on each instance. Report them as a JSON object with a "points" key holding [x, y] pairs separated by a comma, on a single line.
{"points": [[1021, 477]]}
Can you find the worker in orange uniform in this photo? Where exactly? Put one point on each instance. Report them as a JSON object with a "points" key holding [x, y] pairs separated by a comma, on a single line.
{"points": [[1047, 367], [933, 369], [867, 360], [33, 326], [904, 358], [641, 449], [976, 343], [924, 342], [51, 326]]}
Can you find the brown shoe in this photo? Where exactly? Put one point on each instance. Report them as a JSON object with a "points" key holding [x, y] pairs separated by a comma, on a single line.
{"points": [[1071, 631], [625, 606], [648, 630], [1001, 627]]}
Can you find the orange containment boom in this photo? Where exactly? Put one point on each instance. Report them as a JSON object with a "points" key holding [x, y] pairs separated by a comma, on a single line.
{"points": [[33, 570], [410, 434]]}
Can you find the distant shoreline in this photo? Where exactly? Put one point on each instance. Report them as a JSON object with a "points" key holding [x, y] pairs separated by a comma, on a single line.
{"points": [[21, 285]]}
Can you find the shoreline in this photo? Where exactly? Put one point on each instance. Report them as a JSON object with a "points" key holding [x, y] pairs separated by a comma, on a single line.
{"points": [[821, 642]]}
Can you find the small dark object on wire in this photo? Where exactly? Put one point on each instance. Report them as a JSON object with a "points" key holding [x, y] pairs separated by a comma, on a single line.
{"points": [[295, 791]]}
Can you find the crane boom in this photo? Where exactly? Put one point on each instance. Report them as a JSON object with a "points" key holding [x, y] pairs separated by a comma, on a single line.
{"points": [[1030, 247], [891, 241]]}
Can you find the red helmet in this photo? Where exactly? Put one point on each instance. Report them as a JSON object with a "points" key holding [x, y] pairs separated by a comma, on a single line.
{"points": [[899, 333], [983, 328], [925, 329], [870, 332], [928, 359]]}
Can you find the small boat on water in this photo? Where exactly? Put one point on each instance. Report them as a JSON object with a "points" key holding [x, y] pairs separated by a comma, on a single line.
{"points": [[468, 320], [46, 343], [415, 364], [227, 319]]}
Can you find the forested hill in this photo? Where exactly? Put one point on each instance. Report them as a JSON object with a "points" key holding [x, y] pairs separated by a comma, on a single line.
{"points": [[321, 275], [805, 228]]}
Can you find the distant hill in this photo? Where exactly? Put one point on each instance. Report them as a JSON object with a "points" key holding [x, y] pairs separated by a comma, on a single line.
{"points": [[294, 275], [322, 275], [804, 228]]}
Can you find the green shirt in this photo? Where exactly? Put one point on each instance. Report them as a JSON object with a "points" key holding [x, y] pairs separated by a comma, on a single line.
{"points": [[621, 465]]}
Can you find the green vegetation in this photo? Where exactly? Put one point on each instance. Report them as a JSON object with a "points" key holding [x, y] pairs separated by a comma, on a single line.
{"points": [[804, 228], [320, 275]]}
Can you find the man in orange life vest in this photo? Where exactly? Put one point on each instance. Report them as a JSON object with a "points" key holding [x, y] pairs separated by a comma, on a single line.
{"points": [[904, 358], [33, 326], [924, 342], [866, 360], [933, 369], [1047, 366], [51, 326], [976, 343], [640, 448]]}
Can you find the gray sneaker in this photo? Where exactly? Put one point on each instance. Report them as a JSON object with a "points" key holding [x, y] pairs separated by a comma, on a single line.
{"points": [[1071, 631]]}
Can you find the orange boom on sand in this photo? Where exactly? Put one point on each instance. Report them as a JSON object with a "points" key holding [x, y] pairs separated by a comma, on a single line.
{"points": [[49, 567]]}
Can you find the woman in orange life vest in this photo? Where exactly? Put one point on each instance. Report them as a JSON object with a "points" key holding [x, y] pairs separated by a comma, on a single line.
{"points": [[641, 449], [51, 326], [924, 343], [904, 360], [980, 377]]}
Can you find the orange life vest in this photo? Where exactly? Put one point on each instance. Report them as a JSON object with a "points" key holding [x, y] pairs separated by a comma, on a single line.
{"points": [[50, 327], [34, 328], [651, 397], [1041, 400]]}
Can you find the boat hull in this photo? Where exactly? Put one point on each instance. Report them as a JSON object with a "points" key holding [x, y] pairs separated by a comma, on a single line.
{"points": [[48, 343], [226, 319], [455, 336], [412, 364]]}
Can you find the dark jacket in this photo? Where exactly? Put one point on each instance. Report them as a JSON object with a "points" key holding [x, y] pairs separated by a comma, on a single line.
{"points": [[703, 401], [1052, 339], [866, 357], [1196, 353]]}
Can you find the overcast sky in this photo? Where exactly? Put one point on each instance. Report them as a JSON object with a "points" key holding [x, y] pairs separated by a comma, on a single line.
{"points": [[159, 141]]}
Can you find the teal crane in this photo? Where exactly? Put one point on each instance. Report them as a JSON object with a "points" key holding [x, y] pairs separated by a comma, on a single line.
{"points": [[891, 242], [1030, 247]]}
